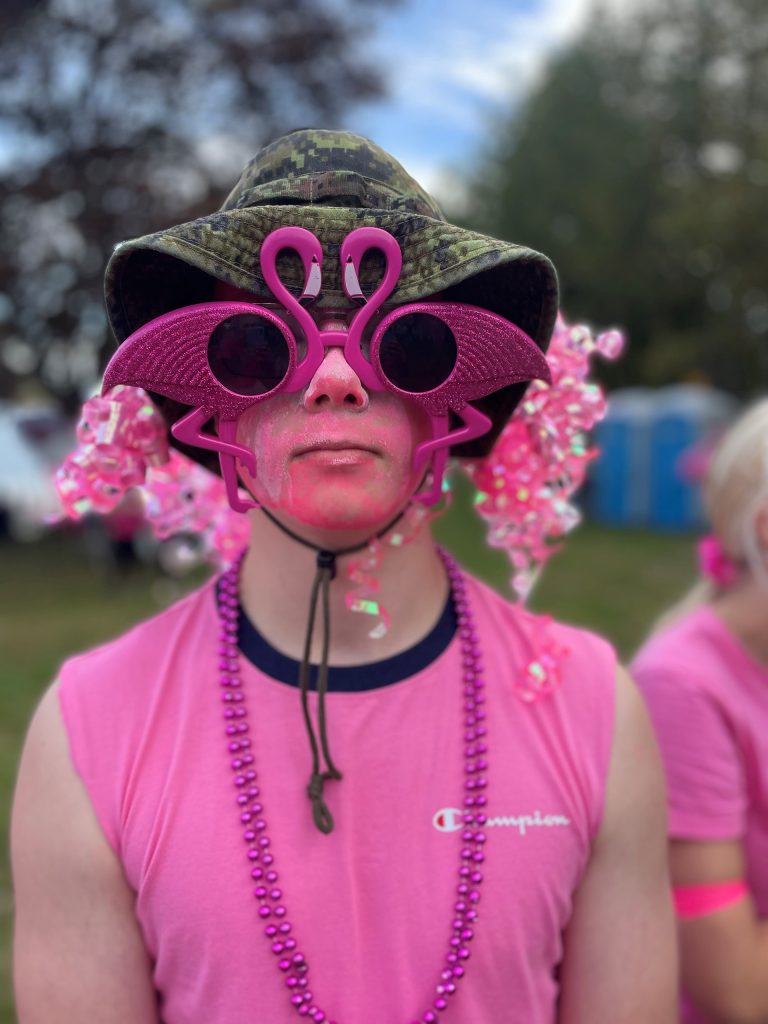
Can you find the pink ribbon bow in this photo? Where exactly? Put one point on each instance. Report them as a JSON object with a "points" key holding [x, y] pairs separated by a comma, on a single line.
{"points": [[715, 563]]}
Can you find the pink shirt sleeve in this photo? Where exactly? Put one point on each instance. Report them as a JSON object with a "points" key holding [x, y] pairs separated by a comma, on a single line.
{"points": [[706, 783]]}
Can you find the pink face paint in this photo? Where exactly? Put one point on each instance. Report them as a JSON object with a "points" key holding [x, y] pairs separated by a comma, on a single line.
{"points": [[334, 457]]}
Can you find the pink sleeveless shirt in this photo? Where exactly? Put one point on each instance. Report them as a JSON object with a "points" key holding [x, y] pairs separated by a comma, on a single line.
{"points": [[371, 903], [708, 699]]}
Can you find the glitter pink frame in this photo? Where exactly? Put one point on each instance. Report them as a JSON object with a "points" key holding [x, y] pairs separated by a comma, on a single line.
{"points": [[168, 355]]}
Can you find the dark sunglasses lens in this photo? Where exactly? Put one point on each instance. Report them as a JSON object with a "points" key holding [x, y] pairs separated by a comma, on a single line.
{"points": [[417, 353], [248, 354]]}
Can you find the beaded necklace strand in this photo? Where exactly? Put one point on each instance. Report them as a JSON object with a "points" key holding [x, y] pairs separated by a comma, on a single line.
{"points": [[271, 910]]}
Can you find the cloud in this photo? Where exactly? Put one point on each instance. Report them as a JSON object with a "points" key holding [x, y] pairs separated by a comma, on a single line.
{"points": [[454, 64]]}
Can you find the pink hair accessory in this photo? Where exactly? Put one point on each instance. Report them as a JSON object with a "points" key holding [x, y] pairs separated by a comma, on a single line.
{"points": [[525, 484], [119, 438], [715, 563]]}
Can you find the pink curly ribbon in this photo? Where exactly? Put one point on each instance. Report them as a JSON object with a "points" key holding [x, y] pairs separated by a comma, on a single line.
{"points": [[715, 563], [365, 596], [183, 497], [119, 438], [123, 443], [542, 675], [362, 572], [525, 484]]}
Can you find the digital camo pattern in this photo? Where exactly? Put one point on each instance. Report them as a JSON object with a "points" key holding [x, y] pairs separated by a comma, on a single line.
{"points": [[331, 182], [322, 166]]}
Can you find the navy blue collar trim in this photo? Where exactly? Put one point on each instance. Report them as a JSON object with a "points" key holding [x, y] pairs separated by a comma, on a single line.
{"points": [[350, 678]]}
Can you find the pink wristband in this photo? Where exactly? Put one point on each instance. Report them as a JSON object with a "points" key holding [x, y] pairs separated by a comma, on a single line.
{"points": [[698, 900]]}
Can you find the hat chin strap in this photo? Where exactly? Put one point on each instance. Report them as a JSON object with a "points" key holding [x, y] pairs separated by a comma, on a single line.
{"points": [[325, 572]]}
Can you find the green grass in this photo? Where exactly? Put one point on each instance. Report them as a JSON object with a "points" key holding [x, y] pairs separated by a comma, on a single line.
{"points": [[52, 605], [613, 581]]}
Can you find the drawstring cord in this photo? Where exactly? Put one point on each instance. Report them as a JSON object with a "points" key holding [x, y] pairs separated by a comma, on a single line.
{"points": [[321, 587], [326, 570]]}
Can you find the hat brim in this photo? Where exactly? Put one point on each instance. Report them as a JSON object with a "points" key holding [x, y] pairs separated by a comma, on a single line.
{"points": [[156, 273]]}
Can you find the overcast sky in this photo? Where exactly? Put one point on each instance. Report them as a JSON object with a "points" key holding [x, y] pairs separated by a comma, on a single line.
{"points": [[451, 67], [452, 64]]}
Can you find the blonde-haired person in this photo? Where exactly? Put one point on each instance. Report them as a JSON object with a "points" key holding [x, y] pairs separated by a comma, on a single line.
{"points": [[704, 674]]}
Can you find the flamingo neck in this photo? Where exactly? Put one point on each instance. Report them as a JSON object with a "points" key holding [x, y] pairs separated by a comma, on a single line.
{"points": [[377, 299]]}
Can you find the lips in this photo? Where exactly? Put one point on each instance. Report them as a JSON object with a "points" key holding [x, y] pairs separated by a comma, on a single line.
{"points": [[326, 444]]}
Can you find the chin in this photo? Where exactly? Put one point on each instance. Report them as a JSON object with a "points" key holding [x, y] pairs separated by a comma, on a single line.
{"points": [[343, 518]]}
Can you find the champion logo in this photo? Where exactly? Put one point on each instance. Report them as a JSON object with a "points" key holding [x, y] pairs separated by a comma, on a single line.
{"points": [[449, 819]]}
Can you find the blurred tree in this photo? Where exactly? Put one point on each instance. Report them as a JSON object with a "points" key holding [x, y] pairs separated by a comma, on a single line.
{"points": [[119, 116], [640, 164]]}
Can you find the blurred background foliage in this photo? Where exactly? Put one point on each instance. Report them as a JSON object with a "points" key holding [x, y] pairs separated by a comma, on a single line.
{"points": [[639, 162], [129, 115], [640, 165]]}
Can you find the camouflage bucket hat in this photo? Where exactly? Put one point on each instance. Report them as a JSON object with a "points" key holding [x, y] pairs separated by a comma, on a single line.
{"points": [[332, 182]]}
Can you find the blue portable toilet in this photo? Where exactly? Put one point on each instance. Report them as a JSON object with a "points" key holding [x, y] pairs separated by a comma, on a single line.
{"points": [[639, 478], [685, 416], [619, 491]]}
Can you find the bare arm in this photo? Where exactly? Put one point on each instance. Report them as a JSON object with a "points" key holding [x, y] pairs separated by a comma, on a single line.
{"points": [[724, 955], [79, 954], [620, 964]]}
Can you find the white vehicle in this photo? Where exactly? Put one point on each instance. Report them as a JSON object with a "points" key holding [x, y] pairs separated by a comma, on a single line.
{"points": [[33, 440]]}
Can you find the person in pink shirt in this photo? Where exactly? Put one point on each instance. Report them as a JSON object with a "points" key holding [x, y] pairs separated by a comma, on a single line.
{"points": [[342, 781], [704, 674]]}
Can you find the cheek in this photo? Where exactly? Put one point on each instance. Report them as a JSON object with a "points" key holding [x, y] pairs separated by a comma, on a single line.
{"points": [[269, 432]]}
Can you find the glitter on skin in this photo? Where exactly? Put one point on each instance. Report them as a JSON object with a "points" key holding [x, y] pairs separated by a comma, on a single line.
{"points": [[359, 487]]}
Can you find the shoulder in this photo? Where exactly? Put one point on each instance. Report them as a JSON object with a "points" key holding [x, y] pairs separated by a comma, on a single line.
{"points": [[684, 660], [679, 640], [122, 663], [110, 696], [120, 703], [47, 782]]}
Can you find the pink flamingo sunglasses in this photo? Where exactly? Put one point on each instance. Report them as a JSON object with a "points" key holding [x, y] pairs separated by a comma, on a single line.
{"points": [[222, 357]]}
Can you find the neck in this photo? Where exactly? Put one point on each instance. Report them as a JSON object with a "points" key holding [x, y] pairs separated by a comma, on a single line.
{"points": [[744, 609], [277, 576]]}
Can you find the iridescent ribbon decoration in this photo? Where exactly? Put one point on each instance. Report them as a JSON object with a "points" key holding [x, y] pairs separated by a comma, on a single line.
{"points": [[364, 598], [119, 438], [542, 674], [123, 444], [525, 484]]}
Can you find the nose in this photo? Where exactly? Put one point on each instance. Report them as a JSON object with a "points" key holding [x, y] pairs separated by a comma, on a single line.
{"points": [[335, 384]]}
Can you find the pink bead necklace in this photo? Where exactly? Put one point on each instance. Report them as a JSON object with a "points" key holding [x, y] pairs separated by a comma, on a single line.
{"points": [[278, 930]]}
